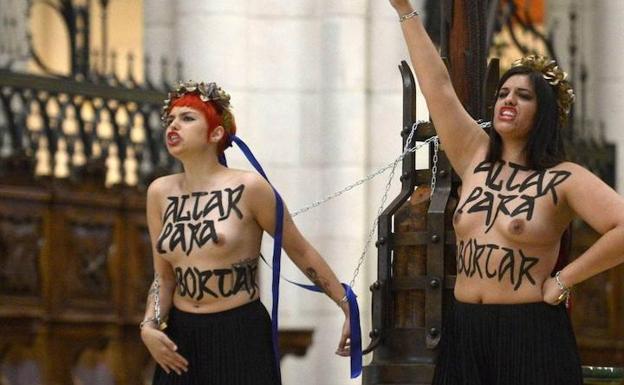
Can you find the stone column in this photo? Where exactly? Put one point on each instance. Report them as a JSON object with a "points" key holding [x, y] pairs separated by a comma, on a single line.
{"points": [[159, 38], [607, 57], [600, 47], [13, 29], [384, 112], [558, 20], [211, 38], [308, 85]]}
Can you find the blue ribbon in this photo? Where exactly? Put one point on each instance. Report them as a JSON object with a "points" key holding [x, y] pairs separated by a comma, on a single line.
{"points": [[354, 312], [222, 159], [354, 321]]}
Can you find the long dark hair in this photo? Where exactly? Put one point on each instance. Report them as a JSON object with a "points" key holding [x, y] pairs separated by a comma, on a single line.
{"points": [[545, 147]]}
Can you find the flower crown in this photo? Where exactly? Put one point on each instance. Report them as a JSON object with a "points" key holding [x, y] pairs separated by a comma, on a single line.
{"points": [[207, 92], [555, 77]]}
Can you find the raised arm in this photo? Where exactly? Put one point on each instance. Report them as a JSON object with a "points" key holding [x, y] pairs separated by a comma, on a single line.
{"points": [[158, 343], [299, 250], [460, 135], [603, 209]]}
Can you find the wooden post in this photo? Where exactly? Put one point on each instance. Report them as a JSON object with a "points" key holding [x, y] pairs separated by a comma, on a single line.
{"points": [[416, 261]]}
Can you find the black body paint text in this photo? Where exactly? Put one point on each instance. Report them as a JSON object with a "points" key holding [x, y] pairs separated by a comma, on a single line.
{"points": [[177, 220], [475, 259], [510, 193], [193, 283]]}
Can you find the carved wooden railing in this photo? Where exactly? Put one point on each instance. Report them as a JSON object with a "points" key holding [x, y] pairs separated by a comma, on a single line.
{"points": [[67, 127], [75, 267]]}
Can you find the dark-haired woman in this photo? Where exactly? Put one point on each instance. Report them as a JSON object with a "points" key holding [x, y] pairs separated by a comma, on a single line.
{"points": [[509, 323]]}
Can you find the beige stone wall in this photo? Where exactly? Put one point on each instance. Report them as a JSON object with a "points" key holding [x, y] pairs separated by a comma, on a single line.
{"points": [[600, 44]]}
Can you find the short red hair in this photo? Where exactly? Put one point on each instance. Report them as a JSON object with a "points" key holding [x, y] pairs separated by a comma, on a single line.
{"points": [[213, 114]]}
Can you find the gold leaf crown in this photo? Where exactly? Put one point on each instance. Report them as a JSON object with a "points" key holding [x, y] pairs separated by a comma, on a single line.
{"points": [[556, 77], [207, 92]]}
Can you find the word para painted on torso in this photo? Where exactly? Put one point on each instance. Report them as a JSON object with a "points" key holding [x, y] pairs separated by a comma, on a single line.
{"points": [[474, 259], [509, 197], [193, 283], [178, 218]]}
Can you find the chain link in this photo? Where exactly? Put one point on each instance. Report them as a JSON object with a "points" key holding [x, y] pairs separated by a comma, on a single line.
{"points": [[434, 167], [342, 191], [436, 147], [369, 177], [371, 232], [156, 289]]}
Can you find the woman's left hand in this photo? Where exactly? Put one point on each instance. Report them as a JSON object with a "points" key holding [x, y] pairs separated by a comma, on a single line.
{"points": [[344, 346], [551, 291]]}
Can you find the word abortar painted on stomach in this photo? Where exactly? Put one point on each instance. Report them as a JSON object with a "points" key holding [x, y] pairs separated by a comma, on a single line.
{"points": [[477, 260], [194, 283]]}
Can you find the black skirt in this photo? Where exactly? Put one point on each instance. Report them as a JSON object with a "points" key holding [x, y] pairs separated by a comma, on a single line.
{"points": [[233, 347], [516, 344]]}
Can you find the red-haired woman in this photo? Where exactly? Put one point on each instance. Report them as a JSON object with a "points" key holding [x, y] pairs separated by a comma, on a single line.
{"points": [[206, 226], [509, 324]]}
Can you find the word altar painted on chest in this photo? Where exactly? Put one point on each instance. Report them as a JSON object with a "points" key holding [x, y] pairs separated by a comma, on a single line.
{"points": [[476, 259], [192, 282], [178, 218], [510, 196]]}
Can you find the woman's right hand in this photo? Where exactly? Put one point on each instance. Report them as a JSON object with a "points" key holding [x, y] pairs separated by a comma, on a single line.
{"points": [[163, 350]]}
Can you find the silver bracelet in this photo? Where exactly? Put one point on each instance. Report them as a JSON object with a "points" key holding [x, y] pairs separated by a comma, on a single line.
{"points": [[343, 300], [565, 291], [561, 285], [408, 16]]}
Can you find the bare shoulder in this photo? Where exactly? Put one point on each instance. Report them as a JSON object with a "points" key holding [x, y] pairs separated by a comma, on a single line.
{"points": [[163, 185], [581, 185], [569, 166], [568, 177], [259, 193], [251, 179], [575, 172], [591, 199]]}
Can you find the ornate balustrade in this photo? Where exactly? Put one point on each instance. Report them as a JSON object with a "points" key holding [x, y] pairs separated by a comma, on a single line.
{"points": [[66, 127]]}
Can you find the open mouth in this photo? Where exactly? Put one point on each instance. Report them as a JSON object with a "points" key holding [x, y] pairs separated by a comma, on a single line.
{"points": [[173, 138], [507, 113]]}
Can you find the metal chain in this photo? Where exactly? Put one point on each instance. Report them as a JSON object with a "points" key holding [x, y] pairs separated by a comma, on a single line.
{"points": [[369, 177], [436, 147], [392, 167], [382, 204], [373, 227], [156, 289], [484, 123], [434, 167], [342, 191]]}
